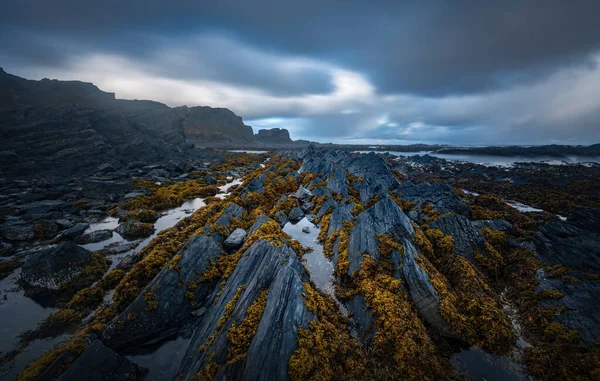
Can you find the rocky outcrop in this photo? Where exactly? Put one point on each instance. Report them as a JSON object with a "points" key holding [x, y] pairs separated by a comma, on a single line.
{"points": [[263, 267], [574, 243], [66, 128], [276, 136], [467, 237], [440, 195], [163, 307], [385, 217], [421, 290], [208, 126]]}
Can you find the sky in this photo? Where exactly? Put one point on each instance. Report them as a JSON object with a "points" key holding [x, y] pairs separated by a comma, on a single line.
{"points": [[464, 72]]}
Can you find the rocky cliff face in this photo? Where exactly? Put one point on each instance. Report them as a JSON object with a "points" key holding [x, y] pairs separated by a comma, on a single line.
{"points": [[274, 136], [67, 127], [208, 126]]}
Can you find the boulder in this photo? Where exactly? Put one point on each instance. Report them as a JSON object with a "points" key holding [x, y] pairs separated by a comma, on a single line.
{"points": [[74, 231], [235, 239], [296, 214], [48, 267], [135, 229], [95, 236], [303, 194], [6, 249]]}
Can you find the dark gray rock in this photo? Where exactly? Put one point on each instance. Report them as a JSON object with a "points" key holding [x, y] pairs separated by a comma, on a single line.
{"points": [[277, 136], [135, 229], [296, 214], [17, 230], [93, 237], [258, 223], [574, 243], [76, 230], [111, 190], [281, 217], [41, 208], [235, 239], [372, 166], [168, 289], [233, 210], [467, 237], [385, 217], [106, 168], [307, 207], [303, 194], [421, 290], [340, 214], [501, 225], [326, 207], [440, 195], [6, 249], [263, 267], [50, 266], [99, 363], [306, 230], [64, 223]]}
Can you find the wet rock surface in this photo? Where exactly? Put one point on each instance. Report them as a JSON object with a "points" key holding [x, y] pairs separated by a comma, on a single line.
{"points": [[51, 266], [163, 307], [575, 243], [101, 363], [225, 293]]}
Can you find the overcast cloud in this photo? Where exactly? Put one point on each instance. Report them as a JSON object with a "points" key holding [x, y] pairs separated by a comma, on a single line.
{"points": [[460, 72]]}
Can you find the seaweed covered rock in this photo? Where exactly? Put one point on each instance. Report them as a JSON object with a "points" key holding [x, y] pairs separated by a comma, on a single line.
{"points": [[99, 363], [467, 237], [500, 225], [440, 195], [373, 166], [574, 247], [421, 290], [167, 302], [296, 214], [50, 266], [264, 269], [135, 229], [383, 217]]}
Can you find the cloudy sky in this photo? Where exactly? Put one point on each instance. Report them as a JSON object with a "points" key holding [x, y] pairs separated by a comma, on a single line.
{"points": [[456, 72]]}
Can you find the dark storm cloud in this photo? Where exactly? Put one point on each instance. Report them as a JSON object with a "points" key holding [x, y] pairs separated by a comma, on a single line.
{"points": [[481, 72], [426, 47]]}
